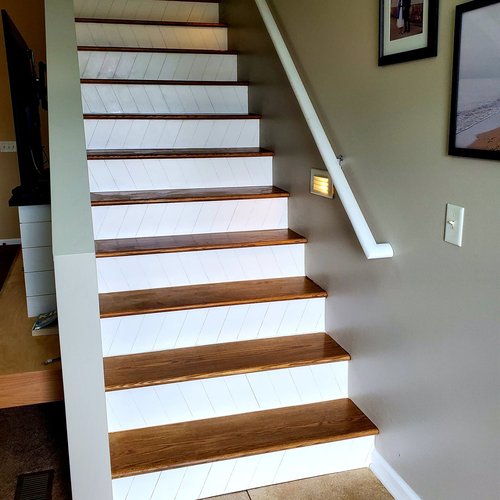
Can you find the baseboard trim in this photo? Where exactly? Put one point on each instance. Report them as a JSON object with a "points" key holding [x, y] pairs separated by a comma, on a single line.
{"points": [[14, 241], [392, 481]]}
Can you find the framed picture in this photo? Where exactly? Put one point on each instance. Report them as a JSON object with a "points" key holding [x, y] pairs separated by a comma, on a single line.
{"points": [[475, 101], [408, 30]]}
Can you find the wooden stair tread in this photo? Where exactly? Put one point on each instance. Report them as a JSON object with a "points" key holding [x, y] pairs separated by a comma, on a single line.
{"points": [[121, 154], [158, 116], [201, 362], [98, 20], [208, 83], [154, 449], [191, 1], [94, 48], [185, 195], [196, 242], [182, 298]]}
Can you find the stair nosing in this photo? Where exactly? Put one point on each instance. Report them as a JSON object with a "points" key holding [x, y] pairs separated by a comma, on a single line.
{"points": [[141, 302], [161, 50], [122, 250], [183, 83], [248, 434], [183, 196], [158, 116], [288, 352], [120, 154], [145, 22]]}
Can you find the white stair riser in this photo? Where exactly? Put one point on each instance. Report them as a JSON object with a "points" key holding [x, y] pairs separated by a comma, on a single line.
{"points": [[147, 36], [168, 219], [213, 325], [228, 476], [171, 134], [185, 173], [141, 272], [157, 66], [149, 10], [173, 99], [224, 396]]}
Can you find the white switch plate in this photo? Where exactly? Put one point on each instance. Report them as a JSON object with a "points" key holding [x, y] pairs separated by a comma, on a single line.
{"points": [[8, 147], [454, 224]]}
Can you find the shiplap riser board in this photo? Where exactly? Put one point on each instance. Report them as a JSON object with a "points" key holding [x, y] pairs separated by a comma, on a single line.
{"points": [[185, 173], [157, 66], [38, 259], [147, 36], [224, 396], [148, 10], [168, 219], [36, 234], [141, 272], [164, 99], [228, 476], [171, 134], [40, 304], [39, 283], [213, 325], [34, 213]]}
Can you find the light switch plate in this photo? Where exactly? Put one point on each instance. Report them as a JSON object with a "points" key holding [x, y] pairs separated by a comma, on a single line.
{"points": [[8, 147], [454, 224]]}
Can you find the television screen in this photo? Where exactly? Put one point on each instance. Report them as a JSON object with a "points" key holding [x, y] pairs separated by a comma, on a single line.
{"points": [[26, 93]]}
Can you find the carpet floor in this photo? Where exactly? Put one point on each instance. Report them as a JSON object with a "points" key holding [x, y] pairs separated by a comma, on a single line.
{"points": [[32, 439]]}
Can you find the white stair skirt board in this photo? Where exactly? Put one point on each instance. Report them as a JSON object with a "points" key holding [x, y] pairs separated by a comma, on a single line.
{"points": [[224, 396], [227, 476], [149, 10], [161, 270], [211, 325], [184, 173], [149, 36], [171, 134], [392, 481], [168, 219], [173, 99], [157, 66]]}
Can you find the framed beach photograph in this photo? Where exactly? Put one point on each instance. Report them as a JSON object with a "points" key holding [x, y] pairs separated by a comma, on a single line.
{"points": [[408, 30], [475, 100]]}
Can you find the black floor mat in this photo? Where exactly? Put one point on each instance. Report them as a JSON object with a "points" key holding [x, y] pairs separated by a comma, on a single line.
{"points": [[7, 255]]}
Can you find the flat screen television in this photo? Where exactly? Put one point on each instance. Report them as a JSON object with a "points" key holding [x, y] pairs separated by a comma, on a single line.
{"points": [[28, 93]]}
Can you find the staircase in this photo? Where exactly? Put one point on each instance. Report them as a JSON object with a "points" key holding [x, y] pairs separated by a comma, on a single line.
{"points": [[219, 376]]}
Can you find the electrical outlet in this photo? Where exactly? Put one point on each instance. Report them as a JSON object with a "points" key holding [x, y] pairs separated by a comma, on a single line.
{"points": [[8, 147]]}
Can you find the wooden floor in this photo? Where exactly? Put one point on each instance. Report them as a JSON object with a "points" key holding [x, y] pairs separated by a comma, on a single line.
{"points": [[201, 362], [182, 298], [196, 242], [186, 195], [24, 379], [121, 154], [153, 449]]}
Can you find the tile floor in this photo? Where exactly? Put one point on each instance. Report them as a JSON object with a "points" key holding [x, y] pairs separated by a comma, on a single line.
{"points": [[358, 484]]}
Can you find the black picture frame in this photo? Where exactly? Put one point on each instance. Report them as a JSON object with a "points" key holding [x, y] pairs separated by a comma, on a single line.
{"points": [[422, 38], [475, 91]]}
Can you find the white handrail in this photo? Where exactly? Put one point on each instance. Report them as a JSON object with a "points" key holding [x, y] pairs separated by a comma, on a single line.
{"points": [[372, 249]]}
